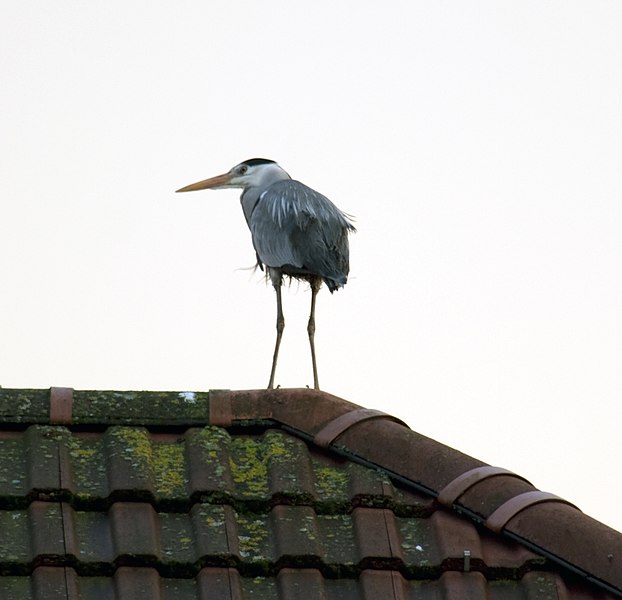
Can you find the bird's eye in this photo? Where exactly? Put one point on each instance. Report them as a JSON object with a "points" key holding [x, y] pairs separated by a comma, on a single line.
{"points": [[243, 169]]}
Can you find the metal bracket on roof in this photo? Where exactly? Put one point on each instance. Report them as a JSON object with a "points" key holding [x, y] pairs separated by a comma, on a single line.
{"points": [[508, 510], [458, 486], [332, 430], [61, 405]]}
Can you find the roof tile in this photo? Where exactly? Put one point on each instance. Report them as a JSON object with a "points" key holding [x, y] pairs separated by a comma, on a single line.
{"points": [[136, 530], [15, 543], [295, 534], [53, 582], [377, 536], [138, 584], [207, 462], [295, 584], [215, 531], [40, 450], [45, 524], [221, 583], [462, 586], [383, 584], [133, 532]]}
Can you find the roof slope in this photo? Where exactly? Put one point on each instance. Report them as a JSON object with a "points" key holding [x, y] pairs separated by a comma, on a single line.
{"points": [[269, 494]]}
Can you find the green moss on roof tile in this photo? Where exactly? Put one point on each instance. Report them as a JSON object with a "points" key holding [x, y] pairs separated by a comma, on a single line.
{"points": [[169, 469], [331, 483], [252, 535], [15, 588], [163, 461], [14, 546], [213, 445], [140, 408], [12, 469], [24, 406], [337, 534], [176, 539], [249, 467], [249, 461], [134, 446], [307, 526], [49, 435], [108, 407], [88, 468], [212, 440]]}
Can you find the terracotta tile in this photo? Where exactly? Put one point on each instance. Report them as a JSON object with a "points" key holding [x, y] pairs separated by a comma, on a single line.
{"points": [[129, 459], [295, 532], [50, 583], [220, 583], [301, 584], [135, 530], [215, 531], [383, 584], [377, 537], [137, 584]]}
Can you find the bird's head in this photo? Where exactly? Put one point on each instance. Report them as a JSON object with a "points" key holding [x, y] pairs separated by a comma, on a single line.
{"points": [[255, 172]]}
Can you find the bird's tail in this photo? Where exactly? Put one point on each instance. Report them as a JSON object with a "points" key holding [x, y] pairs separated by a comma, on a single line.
{"points": [[334, 284]]}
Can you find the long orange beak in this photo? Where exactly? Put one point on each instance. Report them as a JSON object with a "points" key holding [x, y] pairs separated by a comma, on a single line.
{"points": [[212, 182]]}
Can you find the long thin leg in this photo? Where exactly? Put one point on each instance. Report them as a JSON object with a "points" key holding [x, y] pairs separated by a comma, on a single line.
{"points": [[315, 288], [280, 325]]}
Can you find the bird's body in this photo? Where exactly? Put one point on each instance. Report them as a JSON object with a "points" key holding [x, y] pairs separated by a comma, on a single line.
{"points": [[296, 231]]}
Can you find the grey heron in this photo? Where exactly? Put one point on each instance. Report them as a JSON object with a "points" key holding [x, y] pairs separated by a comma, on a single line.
{"points": [[296, 232]]}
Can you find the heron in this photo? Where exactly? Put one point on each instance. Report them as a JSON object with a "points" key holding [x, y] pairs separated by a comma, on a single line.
{"points": [[296, 232]]}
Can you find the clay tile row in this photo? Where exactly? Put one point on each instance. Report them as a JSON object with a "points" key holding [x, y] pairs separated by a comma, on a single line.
{"points": [[130, 462], [134, 533], [147, 584]]}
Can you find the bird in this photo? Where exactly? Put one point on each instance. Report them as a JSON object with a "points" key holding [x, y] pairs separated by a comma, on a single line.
{"points": [[296, 233]]}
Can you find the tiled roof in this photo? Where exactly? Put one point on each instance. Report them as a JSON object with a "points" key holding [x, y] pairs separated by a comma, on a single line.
{"points": [[270, 494]]}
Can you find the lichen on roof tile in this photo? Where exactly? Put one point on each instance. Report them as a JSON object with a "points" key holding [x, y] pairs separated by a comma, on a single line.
{"points": [[24, 406], [177, 539], [14, 541], [169, 469], [133, 445], [215, 530], [208, 462], [139, 407], [253, 539], [331, 484], [251, 459], [249, 467], [12, 470], [89, 478]]}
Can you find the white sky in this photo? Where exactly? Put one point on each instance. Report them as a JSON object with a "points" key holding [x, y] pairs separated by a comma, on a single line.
{"points": [[478, 144]]}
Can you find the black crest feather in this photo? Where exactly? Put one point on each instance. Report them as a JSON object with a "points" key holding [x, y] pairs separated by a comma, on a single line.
{"points": [[252, 162]]}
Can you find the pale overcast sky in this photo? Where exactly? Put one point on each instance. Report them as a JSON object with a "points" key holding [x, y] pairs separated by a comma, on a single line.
{"points": [[478, 144]]}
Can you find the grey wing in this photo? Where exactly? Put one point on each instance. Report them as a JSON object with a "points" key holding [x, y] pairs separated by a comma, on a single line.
{"points": [[302, 232]]}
